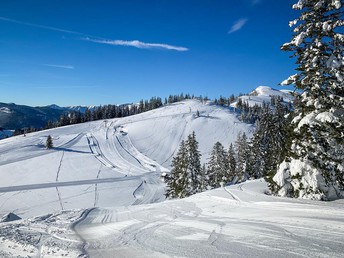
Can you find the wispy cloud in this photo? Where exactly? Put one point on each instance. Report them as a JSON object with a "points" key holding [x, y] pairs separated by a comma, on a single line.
{"points": [[60, 66], [87, 37], [137, 44], [238, 25], [65, 87], [41, 26]]}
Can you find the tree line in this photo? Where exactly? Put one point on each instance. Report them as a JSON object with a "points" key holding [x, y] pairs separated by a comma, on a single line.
{"points": [[253, 158]]}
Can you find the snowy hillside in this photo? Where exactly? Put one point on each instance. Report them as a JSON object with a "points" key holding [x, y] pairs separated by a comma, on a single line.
{"points": [[106, 163], [263, 94], [236, 221], [98, 193]]}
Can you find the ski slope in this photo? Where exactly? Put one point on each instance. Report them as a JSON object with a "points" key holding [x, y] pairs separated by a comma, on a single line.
{"points": [[236, 221], [114, 163], [98, 193]]}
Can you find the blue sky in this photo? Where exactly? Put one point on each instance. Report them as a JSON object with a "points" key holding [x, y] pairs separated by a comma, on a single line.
{"points": [[72, 52]]}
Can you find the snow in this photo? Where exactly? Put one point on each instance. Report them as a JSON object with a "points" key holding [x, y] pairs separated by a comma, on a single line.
{"points": [[98, 193], [337, 4], [299, 38], [262, 94], [5, 110], [103, 163], [235, 221]]}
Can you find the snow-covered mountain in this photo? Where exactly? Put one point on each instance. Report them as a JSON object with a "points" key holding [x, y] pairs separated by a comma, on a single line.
{"points": [[13, 116], [98, 192], [263, 94]]}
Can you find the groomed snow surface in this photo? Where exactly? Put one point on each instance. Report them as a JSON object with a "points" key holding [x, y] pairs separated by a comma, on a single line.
{"points": [[236, 221], [98, 193]]}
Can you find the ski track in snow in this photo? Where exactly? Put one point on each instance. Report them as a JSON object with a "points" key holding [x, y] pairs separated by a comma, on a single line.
{"points": [[117, 164], [96, 194], [97, 151], [217, 224]]}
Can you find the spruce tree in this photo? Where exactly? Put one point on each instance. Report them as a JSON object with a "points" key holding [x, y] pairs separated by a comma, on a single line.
{"points": [[177, 181], [218, 166], [231, 162], [242, 160], [49, 143], [314, 167], [185, 178], [194, 164]]}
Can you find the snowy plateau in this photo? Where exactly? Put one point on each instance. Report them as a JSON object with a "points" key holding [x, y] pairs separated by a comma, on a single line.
{"points": [[99, 193]]}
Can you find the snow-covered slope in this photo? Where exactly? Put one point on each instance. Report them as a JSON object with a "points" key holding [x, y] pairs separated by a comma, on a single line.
{"points": [[110, 167], [106, 163], [236, 221], [263, 94]]}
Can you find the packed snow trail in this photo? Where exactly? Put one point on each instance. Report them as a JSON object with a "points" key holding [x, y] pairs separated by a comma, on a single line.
{"points": [[216, 224], [66, 184]]}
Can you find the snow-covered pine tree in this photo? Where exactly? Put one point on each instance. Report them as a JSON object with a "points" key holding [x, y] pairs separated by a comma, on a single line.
{"points": [[204, 178], [194, 164], [177, 181], [231, 162], [218, 166], [268, 144], [261, 143], [279, 143], [49, 143], [315, 166], [243, 155]]}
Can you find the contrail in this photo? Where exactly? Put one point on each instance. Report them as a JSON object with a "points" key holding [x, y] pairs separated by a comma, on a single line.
{"points": [[43, 26]]}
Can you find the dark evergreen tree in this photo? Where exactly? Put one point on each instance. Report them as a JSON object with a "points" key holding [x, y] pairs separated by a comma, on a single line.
{"points": [[242, 150], [231, 162], [185, 178], [194, 164], [314, 167], [204, 178], [178, 181], [49, 142], [218, 167]]}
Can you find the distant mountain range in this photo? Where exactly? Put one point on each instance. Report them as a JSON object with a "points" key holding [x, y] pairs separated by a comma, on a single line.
{"points": [[13, 116]]}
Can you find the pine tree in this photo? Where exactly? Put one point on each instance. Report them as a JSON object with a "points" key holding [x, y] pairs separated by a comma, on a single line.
{"points": [[204, 178], [231, 162], [242, 160], [218, 166], [314, 167], [185, 178], [177, 181], [49, 143], [194, 164]]}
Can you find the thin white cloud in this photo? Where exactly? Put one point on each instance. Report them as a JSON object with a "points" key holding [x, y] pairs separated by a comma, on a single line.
{"points": [[41, 26], [238, 25], [137, 44], [60, 66], [65, 87], [134, 43]]}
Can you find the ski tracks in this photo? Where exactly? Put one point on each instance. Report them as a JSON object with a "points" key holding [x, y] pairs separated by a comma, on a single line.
{"points": [[96, 194], [97, 151], [235, 197], [57, 179]]}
